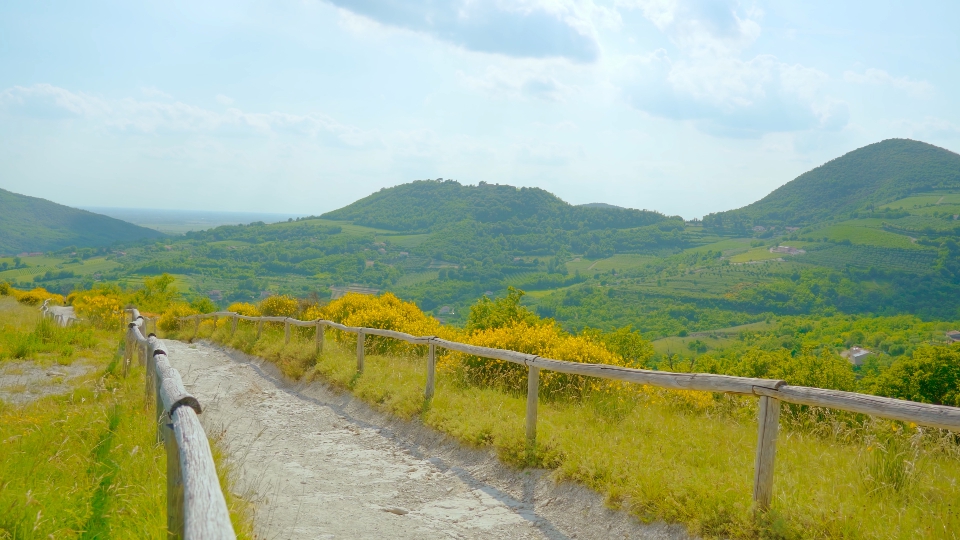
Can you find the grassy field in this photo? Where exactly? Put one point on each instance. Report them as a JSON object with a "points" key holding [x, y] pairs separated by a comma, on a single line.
{"points": [[619, 262], [922, 203], [856, 233], [680, 457], [39, 265], [82, 461]]}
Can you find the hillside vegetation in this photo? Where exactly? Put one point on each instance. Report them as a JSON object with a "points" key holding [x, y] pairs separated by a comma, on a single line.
{"points": [[30, 224], [857, 181]]}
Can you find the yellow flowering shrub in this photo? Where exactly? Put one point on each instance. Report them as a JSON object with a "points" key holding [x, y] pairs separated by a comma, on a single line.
{"points": [[312, 313], [4, 288], [547, 340], [36, 296], [103, 309], [170, 320], [244, 308], [279, 306], [386, 312]]}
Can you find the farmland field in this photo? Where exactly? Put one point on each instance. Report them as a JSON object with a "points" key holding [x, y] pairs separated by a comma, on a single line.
{"points": [[863, 235]]}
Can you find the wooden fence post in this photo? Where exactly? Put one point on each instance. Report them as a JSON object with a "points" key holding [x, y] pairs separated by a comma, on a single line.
{"points": [[533, 396], [149, 372], [360, 352], [286, 330], [431, 371], [196, 326], [259, 327], [215, 319], [768, 426], [128, 348], [174, 483], [319, 337], [233, 329]]}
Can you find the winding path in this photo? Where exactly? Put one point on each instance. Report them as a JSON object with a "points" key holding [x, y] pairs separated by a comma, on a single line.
{"points": [[320, 464]]}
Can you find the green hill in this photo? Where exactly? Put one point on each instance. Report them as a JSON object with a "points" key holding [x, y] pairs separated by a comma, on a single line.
{"points": [[32, 224], [426, 205], [857, 181]]}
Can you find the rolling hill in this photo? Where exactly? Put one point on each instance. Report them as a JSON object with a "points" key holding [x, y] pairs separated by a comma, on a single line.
{"points": [[33, 224], [857, 181], [442, 202]]}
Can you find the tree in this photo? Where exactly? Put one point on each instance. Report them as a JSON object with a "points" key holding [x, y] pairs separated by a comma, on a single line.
{"points": [[931, 375]]}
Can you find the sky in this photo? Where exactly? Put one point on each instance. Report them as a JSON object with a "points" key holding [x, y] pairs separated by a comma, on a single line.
{"points": [[682, 106]]}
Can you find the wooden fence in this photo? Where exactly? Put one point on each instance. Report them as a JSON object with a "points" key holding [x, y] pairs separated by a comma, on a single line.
{"points": [[770, 392], [196, 508]]}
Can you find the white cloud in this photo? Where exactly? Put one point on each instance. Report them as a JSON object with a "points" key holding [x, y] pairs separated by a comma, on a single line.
{"points": [[530, 82], [700, 26], [882, 78], [153, 92], [709, 82], [128, 114], [224, 100], [524, 28]]}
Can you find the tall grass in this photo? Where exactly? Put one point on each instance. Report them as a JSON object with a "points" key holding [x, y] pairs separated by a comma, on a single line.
{"points": [[83, 464], [666, 456]]}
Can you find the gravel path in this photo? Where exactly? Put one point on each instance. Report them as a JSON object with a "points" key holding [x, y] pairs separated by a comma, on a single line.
{"points": [[319, 464]]}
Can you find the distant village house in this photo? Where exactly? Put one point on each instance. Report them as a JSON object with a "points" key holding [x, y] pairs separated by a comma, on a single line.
{"points": [[856, 355]]}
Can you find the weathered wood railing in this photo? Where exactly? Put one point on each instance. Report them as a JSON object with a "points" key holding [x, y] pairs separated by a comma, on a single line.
{"points": [[196, 508], [770, 392]]}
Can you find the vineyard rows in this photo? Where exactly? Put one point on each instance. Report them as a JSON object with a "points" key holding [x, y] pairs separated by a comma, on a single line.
{"points": [[906, 260]]}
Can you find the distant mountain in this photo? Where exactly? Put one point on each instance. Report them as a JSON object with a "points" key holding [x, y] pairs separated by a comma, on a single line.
{"points": [[601, 205], [425, 205], [32, 224], [875, 174]]}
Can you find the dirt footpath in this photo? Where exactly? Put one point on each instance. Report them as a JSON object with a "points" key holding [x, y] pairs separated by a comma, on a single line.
{"points": [[320, 464]]}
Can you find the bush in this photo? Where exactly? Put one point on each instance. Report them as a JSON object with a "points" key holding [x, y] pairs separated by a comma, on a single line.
{"points": [[547, 340], [500, 313], [203, 305], [103, 308], [931, 375], [387, 312], [4, 288], [244, 308], [37, 296], [170, 320], [279, 306]]}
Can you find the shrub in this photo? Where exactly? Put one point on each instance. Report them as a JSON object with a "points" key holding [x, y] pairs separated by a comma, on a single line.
{"points": [[4, 288], [37, 296], [102, 308], [244, 308], [203, 305], [931, 375], [547, 340], [156, 294], [387, 312], [170, 322], [499, 313], [279, 306]]}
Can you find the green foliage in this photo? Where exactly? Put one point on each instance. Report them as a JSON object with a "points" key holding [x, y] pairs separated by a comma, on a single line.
{"points": [[32, 224], [451, 202], [500, 313], [626, 342], [930, 375], [157, 294], [873, 174], [202, 304]]}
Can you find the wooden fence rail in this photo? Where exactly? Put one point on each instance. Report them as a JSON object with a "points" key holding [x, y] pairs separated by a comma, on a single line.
{"points": [[196, 508], [770, 392]]}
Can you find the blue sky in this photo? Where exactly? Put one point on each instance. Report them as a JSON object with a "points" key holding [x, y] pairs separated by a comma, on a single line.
{"points": [[682, 106]]}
